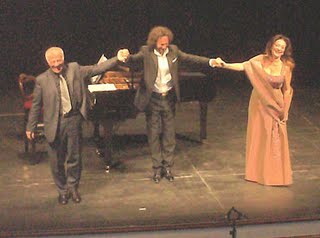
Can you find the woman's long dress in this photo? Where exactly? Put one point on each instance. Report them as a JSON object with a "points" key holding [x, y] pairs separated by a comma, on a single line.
{"points": [[267, 149]]}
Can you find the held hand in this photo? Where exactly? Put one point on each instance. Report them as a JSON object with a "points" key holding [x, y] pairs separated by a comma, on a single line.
{"points": [[283, 122], [219, 62], [123, 55], [30, 135]]}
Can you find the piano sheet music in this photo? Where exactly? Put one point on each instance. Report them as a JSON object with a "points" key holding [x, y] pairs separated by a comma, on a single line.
{"points": [[95, 86], [95, 79], [101, 87]]}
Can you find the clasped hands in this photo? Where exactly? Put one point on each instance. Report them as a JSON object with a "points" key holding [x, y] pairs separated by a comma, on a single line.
{"points": [[123, 55], [218, 62]]}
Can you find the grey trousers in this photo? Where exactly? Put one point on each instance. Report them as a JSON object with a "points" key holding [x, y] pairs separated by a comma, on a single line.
{"points": [[65, 154], [160, 120]]}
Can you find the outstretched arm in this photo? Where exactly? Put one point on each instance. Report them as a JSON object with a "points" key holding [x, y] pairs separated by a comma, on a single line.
{"points": [[92, 70], [232, 66]]}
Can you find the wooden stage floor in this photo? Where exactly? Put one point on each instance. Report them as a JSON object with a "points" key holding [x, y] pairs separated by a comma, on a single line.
{"points": [[209, 177]]}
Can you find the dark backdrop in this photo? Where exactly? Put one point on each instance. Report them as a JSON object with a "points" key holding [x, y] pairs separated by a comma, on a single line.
{"points": [[233, 29]]}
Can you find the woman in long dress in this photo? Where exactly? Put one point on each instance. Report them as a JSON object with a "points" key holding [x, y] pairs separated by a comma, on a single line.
{"points": [[267, 149]]}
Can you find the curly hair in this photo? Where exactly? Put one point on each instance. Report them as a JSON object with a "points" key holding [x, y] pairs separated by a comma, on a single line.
{"points": [[287, 55], [157, 32]]}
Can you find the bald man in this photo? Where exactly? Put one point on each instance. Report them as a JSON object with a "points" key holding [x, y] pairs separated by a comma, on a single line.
{"points": [[60, 93]]}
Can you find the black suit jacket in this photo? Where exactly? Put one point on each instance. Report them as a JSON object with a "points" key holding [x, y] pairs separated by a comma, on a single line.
{"points": [[46, 94], [150, 67]]}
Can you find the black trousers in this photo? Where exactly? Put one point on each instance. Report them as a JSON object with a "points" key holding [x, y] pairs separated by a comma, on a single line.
{"points": [[160, 120], [65, 154]]}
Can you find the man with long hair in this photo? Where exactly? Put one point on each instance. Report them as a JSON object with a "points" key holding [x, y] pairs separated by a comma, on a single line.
{"points": [[158, 92]]}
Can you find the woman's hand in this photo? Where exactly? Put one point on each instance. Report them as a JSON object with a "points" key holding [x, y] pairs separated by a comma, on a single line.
{"points": [[219, 62]]}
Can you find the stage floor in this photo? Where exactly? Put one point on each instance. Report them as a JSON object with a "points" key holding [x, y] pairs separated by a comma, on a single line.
{"points": [[209, 176]]}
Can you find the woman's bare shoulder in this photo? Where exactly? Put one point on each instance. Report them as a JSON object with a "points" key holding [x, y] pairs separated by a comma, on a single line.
{"points": [[259, 58]]}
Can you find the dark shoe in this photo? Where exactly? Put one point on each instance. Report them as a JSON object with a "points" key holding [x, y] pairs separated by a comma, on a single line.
{"points": [[75, 196], [167, 174], [63, 199], [157, 176], [107, 168]]}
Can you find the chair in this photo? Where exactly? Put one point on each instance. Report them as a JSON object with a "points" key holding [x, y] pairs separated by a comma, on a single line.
{"points": [[26, 86]]}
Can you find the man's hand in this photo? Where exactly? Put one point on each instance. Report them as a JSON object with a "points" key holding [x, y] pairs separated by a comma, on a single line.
{"points": [[30, 135], [219, 62], [123, 55]]}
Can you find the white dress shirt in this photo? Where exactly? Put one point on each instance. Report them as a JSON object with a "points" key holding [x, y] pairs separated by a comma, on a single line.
{"points": [[163, 81]]}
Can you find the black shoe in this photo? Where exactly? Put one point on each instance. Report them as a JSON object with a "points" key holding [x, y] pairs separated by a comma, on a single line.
{"points": [[63, 199], [167, 174], [75, 196], [157, 176]]}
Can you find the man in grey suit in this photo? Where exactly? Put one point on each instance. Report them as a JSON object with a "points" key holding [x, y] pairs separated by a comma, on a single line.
{"points": [[158, 93], [60, 92]]}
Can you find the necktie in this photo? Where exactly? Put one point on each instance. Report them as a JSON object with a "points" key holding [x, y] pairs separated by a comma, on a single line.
{"points": [[65, 97]]}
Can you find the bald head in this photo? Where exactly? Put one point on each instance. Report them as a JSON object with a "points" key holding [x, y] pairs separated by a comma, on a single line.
{"points": [[55, 59]]}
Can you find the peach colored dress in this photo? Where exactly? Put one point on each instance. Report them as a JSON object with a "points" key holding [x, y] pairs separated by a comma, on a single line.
{"points": [[267, 149]]}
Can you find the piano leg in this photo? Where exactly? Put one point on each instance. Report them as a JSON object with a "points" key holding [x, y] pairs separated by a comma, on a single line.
{"points": [[203, 120], [107, 126], [96, 132], [108, 159]]}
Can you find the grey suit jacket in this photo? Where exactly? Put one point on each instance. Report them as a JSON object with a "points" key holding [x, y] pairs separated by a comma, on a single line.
{"points": [[150, 67], [46, 96]]}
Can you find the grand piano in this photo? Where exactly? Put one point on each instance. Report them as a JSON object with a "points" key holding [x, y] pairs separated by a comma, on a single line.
{"points": [[112, 101]]}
